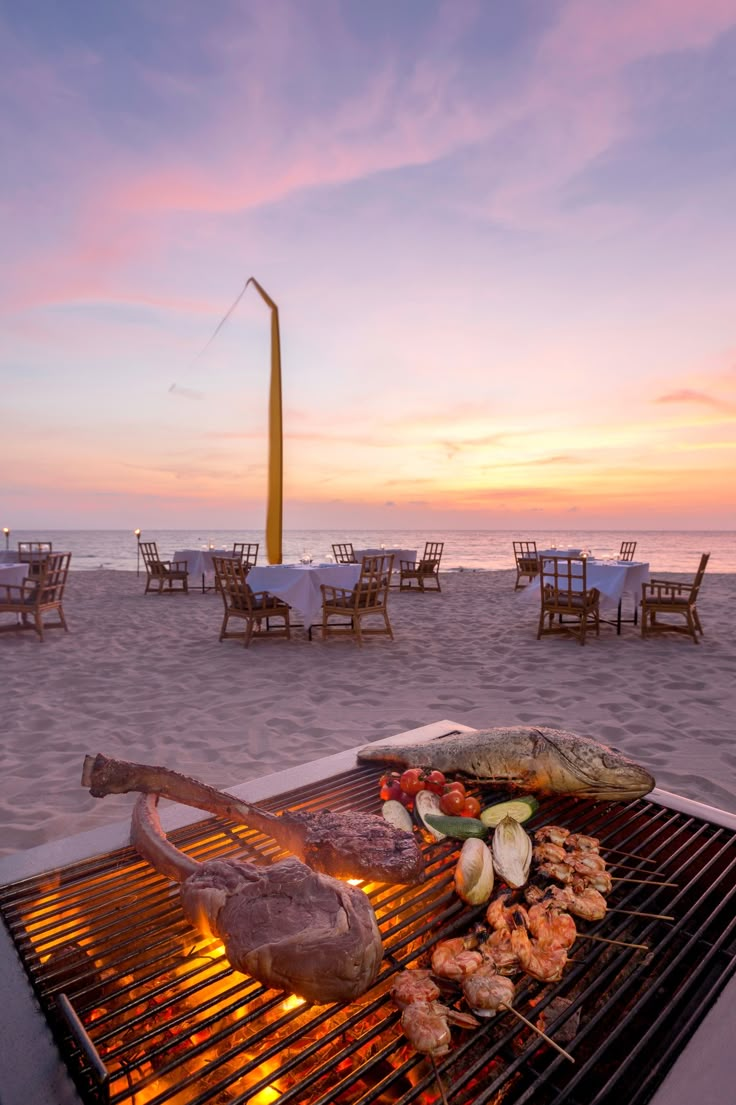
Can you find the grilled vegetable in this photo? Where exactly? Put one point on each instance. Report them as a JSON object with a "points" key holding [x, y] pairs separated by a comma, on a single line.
{"points": [[474, 872], [397, 815], [426, 802], [459, 828], [512, 852], [521, 809]]}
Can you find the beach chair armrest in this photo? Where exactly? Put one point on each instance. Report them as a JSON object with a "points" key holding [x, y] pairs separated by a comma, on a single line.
{"points": [[331, 593], [660, 588]]}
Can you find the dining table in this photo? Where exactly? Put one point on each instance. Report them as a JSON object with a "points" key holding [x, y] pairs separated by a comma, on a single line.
{"points": [[199, 563], [613, 578], [299, 585]]}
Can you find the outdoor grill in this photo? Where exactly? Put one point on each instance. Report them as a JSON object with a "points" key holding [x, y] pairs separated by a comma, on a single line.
{"points": [[137, 1007]]}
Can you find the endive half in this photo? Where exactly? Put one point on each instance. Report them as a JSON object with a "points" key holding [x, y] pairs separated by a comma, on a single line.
{"points": [[512, 852], [474, 872]]}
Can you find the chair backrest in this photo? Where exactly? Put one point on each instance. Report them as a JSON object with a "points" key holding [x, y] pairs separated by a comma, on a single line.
{"points": [[628, 548], [232, 582], [525, 551], [372, 588], [344, 554], [433, 552], [699, 575], [248, 553], [561, 578], [52, 580], [149, 552]]}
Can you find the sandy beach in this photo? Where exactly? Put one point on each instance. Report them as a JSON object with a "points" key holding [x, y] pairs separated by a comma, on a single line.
{"points": [[145, 678]]}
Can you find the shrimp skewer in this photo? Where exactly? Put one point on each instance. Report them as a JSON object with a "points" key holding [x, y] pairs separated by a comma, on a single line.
{"points": [[487, 993], [555, 834], [426, 1025]]}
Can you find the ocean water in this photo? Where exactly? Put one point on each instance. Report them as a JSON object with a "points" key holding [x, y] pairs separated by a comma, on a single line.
{"points": [[468, 550]]}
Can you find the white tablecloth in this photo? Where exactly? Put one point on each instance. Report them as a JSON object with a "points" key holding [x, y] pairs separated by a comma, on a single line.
{"points": [[12, 575], [9, 556], [398, 554], [558, 552], [611, 577], [299, 585], [199, 561]]}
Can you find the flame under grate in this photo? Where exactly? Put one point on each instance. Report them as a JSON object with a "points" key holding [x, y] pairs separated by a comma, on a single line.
{"points": [[144, 1010]]}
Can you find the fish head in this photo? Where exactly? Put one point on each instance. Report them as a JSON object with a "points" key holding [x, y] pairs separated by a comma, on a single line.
{"points": [[596, 771]]}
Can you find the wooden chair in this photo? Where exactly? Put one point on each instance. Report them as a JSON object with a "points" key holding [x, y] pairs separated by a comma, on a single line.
{"points": [[36, 598], [255, 608], [424, 571], [248, 553], [628, 548], [368, 599], [344, 554], [164, 573], [567, 598], [527, 561], [33, 553], [664, 597]]}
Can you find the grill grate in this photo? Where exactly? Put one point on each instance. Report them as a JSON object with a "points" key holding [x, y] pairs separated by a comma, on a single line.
{"points": [[144, 1010]]}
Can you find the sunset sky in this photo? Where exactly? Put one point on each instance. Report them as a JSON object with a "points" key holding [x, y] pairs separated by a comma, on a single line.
{"points": [[501, 236]]}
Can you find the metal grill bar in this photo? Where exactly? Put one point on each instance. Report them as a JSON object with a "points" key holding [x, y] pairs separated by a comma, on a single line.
{"points": [[173, 1022]]}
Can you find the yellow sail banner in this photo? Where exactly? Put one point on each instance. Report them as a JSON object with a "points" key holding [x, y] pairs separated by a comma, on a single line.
{"points": [[274, 506]]}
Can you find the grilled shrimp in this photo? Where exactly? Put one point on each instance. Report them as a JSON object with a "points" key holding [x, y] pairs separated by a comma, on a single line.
{"points": [[587, 862], [497, 949], [486, 991], [550, 924], [580, 900], [563, 872], [499, 915], [582, 843], [600, 881], [555, 834], [550, 853], [413, 985], [426, 1027], [456, 958], [543, 961]]}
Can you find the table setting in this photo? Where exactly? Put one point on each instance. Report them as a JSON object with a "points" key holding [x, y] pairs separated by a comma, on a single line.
{"points": [[611, 576], [299, 584]]}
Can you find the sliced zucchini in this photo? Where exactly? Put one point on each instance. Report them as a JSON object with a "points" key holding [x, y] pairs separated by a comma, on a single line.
{"points": [[427, 802], [459, 828], [397, 815], [521, 809]]}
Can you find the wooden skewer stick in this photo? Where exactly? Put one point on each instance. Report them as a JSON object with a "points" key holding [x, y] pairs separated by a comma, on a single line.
{"points": [[630, 867], [630, 855], [539, 1032], [649, 882], [438, 1080], [638, 913], [608, 940]]}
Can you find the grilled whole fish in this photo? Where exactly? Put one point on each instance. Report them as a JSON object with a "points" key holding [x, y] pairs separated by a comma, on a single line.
{"points": [[345, 845], [540, 760]]}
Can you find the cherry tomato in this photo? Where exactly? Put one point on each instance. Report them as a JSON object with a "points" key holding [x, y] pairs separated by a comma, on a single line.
{"points": [[471, 807], [434, 781], [391, 789], [389, 777], [457, 785], [452, 803], [411, 781]]}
